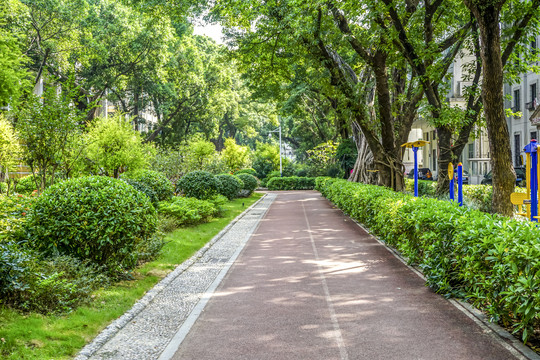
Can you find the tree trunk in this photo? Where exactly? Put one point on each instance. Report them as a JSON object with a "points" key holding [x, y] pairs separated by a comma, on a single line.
{"points": [[504, 177], [445, 157]]}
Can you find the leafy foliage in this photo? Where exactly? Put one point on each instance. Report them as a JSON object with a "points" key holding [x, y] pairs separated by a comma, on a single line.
{"points": [[199, 184], [93, 218], [489, 259], [10, 150], [48, 127], [234, 155], [230, 185], [291, 183], [114, 147]]}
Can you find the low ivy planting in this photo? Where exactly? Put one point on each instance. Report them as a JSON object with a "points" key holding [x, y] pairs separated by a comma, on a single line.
{"points": [[291, 183], [490, 260]]}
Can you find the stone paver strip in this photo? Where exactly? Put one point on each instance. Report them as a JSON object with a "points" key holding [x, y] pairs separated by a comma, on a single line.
{"points": [[145, 330]]}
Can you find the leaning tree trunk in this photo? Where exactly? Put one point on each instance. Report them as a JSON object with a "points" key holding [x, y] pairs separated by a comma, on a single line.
{"points": [[364, 162], [504, 177], [445, 157]]}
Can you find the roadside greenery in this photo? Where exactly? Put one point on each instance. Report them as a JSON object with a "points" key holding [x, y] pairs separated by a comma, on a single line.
{"points": [[35, 336], [291, 183], [489, 260], [478, 197]]}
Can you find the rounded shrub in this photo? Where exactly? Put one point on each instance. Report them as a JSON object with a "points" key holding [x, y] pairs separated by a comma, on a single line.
{"points": [[158, 182], [95, 218], [145, 189], [199, 184], [230, 185], [249, 171], [250, 183]]}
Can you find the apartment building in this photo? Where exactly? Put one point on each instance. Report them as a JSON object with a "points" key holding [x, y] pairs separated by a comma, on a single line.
{"points": [[522, 99]]}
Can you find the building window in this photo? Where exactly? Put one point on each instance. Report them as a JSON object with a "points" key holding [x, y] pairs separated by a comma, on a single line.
{"points": [[471, 151], [427, 135], [534, 46], [517, 149], [533, 135], [517, 101], [532, 104]]}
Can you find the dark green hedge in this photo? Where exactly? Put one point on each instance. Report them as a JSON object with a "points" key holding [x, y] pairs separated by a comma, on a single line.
{"points": [[94, 218], [490, 260], [291, 183], [476, 196]]}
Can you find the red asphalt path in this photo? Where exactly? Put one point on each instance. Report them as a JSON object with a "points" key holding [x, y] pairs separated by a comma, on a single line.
{"points": [[311, 284]]}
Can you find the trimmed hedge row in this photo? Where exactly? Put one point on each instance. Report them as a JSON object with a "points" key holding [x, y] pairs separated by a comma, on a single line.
{"points": [[490, 260], [291, 183], [475, 196]]}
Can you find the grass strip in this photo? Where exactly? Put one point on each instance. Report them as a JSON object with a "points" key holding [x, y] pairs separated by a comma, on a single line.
{"points": [[35, 336]]}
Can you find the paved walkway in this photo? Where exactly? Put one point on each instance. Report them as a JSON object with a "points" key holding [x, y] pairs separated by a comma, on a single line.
{"points": [[311, 284]]}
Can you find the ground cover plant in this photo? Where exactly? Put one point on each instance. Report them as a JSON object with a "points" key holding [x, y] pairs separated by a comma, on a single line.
{"points": [[35, 336], [291, 183], [490, 260]]}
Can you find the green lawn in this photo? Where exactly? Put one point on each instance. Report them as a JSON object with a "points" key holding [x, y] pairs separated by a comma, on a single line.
{"points": [[61, 337]]}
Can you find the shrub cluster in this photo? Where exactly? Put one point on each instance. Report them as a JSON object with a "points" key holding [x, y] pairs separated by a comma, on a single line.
{"points": [[230, 185], [250, 184], [199, 184], [249, 171], [291, 183], [490, 260], [92, 218], [187, 211], [160, 185]]}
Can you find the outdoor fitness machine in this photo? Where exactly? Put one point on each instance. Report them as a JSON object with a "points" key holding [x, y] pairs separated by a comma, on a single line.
{"points": [[414, 145], [460, 182], [531, 173]]}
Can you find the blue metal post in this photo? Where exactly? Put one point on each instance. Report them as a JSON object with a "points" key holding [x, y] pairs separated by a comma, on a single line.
{"points": [[460, 183], [534, 183], [533, 176], [452, 196], [415, 151]]}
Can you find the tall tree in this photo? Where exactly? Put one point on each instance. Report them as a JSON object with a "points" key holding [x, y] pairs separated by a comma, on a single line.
{"points": [[488, 16]]}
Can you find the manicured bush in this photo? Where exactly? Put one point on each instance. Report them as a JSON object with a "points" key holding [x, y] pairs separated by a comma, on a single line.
{"points": [[250, 184], [187, 211], [199, 184], [425, 187], [249, 171], [230, 185], [491, 260], [291, 183], [145, 189], [158, 182], [95, 218]]}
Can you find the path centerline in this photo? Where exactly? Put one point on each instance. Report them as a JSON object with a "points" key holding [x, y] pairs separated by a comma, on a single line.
{"points": [[335, 323]]}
